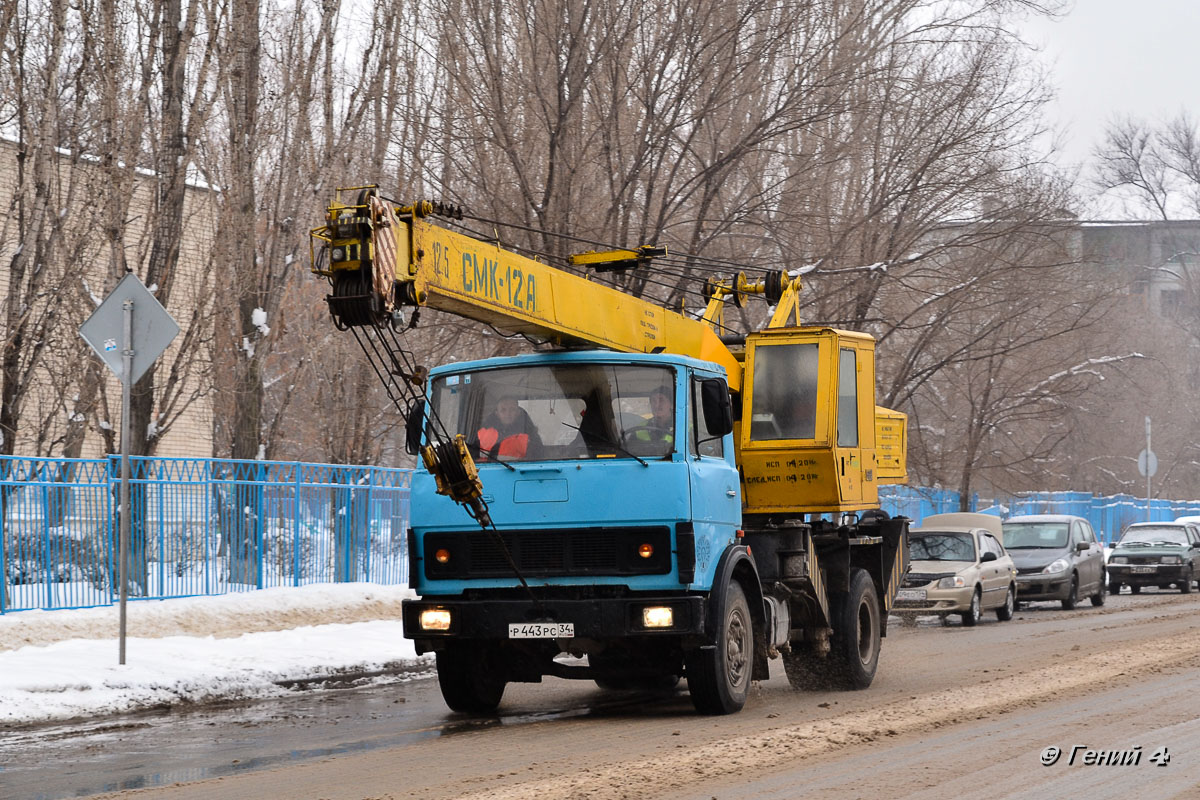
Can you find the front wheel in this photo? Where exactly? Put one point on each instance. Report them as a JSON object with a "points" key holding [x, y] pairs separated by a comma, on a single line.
{"points": [[718, 676], [971, 616], [856, 632], [1114, 588], [1072, 599], [1005, 612], [469, 682], [1186, 586]]}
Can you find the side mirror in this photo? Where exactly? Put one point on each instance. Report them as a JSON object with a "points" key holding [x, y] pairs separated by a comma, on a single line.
{"points": [[986, 557], [718, 411], [414, 425], [1083, 547]]}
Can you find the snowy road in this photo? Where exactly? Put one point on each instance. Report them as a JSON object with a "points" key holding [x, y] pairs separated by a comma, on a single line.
{"points": [[963, 711]]}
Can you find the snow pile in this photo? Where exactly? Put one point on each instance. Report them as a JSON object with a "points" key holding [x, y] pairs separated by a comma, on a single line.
{"points": [[58, 665]]}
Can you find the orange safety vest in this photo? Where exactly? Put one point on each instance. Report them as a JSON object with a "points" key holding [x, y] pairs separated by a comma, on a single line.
{"points": [[514, 445]]}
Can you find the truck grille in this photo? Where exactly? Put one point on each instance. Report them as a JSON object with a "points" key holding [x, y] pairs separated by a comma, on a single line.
{"points": [[549, 553]]}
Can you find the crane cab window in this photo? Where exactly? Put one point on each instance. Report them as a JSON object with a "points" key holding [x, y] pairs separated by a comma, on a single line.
{"points": [[847, 414], [784, 394]]}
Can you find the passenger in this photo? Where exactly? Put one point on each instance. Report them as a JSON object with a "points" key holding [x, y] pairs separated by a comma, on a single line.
{"points": [[659, 429], [508, 433]]}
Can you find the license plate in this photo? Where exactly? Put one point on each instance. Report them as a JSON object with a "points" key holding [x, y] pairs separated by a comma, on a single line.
{"points": [[1145, 569], [541, 630], [910, 594]]}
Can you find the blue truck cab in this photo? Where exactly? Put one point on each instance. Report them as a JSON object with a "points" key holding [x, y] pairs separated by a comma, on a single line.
{"points": [[613, 493]]}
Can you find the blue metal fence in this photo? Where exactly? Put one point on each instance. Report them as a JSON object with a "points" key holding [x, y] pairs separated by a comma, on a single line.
{"points": [[198, 527], [1109, 515], [211, 526]]}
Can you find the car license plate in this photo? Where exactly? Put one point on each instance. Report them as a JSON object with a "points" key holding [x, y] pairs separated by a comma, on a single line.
{"points": [[541, 630], [910, 594], [1151, 568]]}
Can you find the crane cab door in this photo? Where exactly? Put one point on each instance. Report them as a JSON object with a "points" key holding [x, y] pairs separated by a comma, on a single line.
{"points": [[854, 431], [807, 433]]}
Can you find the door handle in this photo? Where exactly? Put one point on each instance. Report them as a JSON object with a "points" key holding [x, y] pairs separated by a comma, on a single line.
{"points": [[730, 493]]}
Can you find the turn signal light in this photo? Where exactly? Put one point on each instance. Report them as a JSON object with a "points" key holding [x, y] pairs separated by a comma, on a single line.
{"points": [[442, 556], [435, 619], [646, 550]]}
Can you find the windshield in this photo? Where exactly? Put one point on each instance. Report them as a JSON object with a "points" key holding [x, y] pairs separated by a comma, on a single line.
{"points": [[1019, 535], [567, 411], [941, 547], [1154, 535]]}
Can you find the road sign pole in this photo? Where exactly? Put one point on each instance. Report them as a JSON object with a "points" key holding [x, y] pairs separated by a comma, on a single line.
{"points": [[128, 347], [1149, 471], [127, 371]]}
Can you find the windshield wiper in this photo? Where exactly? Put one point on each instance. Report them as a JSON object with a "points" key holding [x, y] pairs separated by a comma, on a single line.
{"points": [[1172, 544], [607, 441]]}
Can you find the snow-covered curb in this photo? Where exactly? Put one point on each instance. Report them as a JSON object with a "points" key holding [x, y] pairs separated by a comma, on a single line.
{"points": [[76, 673]]}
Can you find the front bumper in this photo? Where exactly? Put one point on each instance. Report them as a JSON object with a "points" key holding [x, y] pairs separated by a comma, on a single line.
{"points": [[599, 619], [937, 601], [1040, 586], [1146, 574]]}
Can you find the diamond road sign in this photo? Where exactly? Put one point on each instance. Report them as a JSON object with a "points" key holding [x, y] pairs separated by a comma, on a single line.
{"points": [[153, 327]]}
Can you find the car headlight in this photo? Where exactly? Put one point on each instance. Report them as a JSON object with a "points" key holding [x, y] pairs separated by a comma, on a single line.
{"points": [[1059, 565], [1118, 560], [952, 582], [1172, 560]]}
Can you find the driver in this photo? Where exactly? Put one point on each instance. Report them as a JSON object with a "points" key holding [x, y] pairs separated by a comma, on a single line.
{"points": [[660, 427]]}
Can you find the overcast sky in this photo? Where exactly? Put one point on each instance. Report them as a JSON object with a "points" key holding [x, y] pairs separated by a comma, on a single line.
{"points": [[1120, 57]]}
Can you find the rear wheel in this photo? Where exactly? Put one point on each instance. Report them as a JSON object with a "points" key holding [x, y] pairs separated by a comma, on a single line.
{"points": [[1072, 599], [854, 646], [469, 680], [719, 676], [971, 616], [1005, 612], [1098, 598]]}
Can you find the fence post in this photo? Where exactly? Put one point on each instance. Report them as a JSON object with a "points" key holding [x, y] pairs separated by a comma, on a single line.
{"points": [[296, 528]]}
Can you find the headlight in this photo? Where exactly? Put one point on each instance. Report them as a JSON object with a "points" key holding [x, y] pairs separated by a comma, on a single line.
{"points": [[953, 582], [1061, 565], [658, 617], [1172, 560], [435, 619], [1118, 560]]}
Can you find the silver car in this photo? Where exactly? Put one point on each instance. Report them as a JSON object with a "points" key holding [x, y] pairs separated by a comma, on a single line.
{"points": [[957, 565], [1057, 558]]}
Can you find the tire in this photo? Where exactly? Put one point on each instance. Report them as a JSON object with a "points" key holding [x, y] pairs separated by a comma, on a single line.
{"points": [[1005, 612], [1098, 598], [719, 677], [1114, 588], [1133, 589], [854, 645], [469, 682], [1186, 586], [971, 616], [1071, 600]]}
